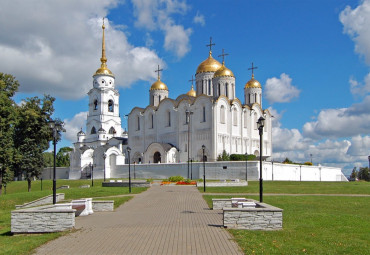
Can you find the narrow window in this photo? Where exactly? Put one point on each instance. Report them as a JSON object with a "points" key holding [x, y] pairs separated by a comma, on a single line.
{"points": [[204, 114], [152, 120], [138, 123], [169, 118], [222, 114], [112, 131], [227, 90], [219, 89], [110, 105], [209, 87], [95, 104], [93, 130], [235, 117]]}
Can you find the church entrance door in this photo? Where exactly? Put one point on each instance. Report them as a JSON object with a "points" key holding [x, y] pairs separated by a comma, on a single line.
{"points": [[157, 157]]}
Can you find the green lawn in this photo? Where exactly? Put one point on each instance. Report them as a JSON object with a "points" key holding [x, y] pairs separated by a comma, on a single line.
{"points": [[311, 224], [17, 194], [297, 188]]}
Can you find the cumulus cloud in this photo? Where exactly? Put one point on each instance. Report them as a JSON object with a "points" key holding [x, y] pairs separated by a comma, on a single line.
{"points": [[280, 90], [158, 15], [358, 88], [57, 49], [199, 19], [74, 125], [356, 23], [337, 123]]}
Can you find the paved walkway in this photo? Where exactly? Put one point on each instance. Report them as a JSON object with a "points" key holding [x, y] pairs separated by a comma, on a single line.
{"points": [[161, 220]]}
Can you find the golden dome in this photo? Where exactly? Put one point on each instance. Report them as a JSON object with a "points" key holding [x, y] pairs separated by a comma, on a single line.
{"points": [[104, 70], [209, 65], [192, 92], [158, 85], [224, 72], [253, 83]]}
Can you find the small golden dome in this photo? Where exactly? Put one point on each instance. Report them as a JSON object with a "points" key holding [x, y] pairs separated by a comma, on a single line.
{"points": [[158, 85], [209, 65], [104, 70], [224, 72], [253, 83], [192, 92]]}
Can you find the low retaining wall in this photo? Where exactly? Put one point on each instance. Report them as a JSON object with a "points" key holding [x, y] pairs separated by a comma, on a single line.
{"points": [[103, 205], [126, 184], [51, 218], [223, 184], [261, 217], [220, 203], [42, 201]]}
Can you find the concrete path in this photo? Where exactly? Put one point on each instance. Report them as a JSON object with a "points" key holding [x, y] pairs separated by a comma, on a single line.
{"points": [[161, 220]]}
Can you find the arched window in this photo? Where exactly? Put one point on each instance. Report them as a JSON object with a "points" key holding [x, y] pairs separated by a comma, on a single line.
{"points": [[227, 90], [110, 105], [209, 87], [255, 98], [203, 87], [138, 123], [222, 114], [151, 119], [235, 117], [96, 104], [93, 130], [219, 89], [112, 131]]}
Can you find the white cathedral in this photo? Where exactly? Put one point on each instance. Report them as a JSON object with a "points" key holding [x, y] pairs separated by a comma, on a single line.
{"points": [[172, 130]]}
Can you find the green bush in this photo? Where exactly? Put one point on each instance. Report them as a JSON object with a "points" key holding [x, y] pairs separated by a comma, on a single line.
{"points": [[307, 163], [176, 179]]}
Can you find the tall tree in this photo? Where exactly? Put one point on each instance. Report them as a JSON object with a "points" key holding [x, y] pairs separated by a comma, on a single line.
{"points": [[63, 157], [8, 87], [32, 135]]}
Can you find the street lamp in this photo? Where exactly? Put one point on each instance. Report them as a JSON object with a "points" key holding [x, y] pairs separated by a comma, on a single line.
{"points": [[204, 169], [246, 166], [188, 114], [55, 127], [260, 125], [129, 169], [191, 169], [104, 157], [92, 174]]}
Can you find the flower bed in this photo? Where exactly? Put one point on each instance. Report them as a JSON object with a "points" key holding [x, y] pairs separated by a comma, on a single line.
{"points": [[186, 183]]}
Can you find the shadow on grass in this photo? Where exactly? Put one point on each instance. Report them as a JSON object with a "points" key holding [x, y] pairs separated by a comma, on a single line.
{"points": [[8, 233]]}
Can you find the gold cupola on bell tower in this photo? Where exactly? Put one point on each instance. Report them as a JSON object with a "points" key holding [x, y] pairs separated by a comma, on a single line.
{"points": [[103, 70]]}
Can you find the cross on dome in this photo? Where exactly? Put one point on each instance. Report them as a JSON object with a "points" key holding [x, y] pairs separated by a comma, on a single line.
{"points": [[158, 71], [223, 56], [192, 80], [252, 68], [210, 45]]}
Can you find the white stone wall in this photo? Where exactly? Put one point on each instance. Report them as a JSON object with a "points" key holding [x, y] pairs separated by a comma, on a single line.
{"points": [[42, 201], [103, 205]]}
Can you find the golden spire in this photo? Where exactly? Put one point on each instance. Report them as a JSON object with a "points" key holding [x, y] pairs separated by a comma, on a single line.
{"points": [[103, 67]]}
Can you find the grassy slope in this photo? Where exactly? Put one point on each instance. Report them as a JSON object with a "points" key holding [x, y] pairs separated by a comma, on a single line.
{"points": [[17, 194], [297, 188], [311, 224]]}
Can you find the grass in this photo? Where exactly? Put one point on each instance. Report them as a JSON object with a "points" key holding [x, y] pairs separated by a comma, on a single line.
{"points": [[17, 194], [284, 187], [311, 224]]}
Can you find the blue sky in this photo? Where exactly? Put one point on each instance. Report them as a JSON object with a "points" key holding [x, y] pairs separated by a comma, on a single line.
{"points": [[313, 61]]}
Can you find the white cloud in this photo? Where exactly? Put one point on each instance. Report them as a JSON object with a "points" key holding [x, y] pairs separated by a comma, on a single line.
{"points": [[356, 23], [74, 125], [56, 49], [358, 88], [199, 19], [158, 15], [280, 90], [337, 123]]}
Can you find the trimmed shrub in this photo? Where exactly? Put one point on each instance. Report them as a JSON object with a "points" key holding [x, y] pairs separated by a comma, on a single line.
{"points": [[176, 179]]}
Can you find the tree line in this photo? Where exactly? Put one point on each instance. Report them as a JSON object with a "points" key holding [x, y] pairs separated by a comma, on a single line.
{"points": [[24, 133]]}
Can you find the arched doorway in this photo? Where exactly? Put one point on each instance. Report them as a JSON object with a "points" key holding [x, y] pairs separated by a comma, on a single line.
{"points": [[157, 157]]}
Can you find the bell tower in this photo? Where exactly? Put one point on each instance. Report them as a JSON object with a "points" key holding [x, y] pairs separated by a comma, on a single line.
{"points": [[103, 120]]}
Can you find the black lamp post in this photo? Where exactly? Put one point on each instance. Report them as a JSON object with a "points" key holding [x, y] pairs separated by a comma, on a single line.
{"points": [[204, 169], [55, 127], [92, 174], [188, 113], [129, 169], [246, 166], [104, 157], [191, 169], [134, 170], [260, 125]]}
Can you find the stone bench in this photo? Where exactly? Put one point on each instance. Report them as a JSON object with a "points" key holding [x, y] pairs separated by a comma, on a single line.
{"points": [[84, 206], [261, 217], [103, 205], [219, 203], [43, 219]]}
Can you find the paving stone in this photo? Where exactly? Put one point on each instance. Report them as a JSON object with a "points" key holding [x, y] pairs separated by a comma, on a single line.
{"points": [[161, 220]]}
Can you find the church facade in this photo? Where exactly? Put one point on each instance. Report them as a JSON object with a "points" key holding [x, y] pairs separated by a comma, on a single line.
{"points": [[171, 130], [175, 130]]}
